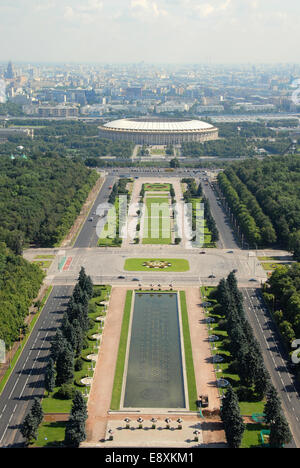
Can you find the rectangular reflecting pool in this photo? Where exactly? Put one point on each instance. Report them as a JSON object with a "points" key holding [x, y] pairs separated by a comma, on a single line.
{"points": [[155, 371]]}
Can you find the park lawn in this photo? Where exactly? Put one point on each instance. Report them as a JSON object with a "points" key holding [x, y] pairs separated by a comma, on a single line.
{"points": [[251, 436], [188, 351], [158, 151], [42, 263], [136, 264], [50, 403], [157, 187], [107, 238], [272, 266], [157, 230], [54, 432], [246, 407], [118, 379], [44, 257], [208, 244]]}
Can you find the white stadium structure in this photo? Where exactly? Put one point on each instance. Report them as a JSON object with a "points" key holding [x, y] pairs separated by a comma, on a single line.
{"points": [[147, 131]]}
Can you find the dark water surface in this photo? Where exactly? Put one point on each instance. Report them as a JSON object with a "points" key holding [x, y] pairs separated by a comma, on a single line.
{"points": [[155, 373]]}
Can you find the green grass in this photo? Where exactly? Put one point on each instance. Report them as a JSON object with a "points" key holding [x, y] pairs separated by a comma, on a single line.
{"points": [[117, 386], [54, 432], [208, 244], [251, 436], [50, 403], [189, 363], [157, 187], [43, 263], [55, 405], [45, 257], [136, 264], [247, 407], [157, 231]]}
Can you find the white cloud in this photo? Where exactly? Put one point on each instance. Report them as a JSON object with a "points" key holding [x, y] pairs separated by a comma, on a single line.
{"points": [[87, 12], [146, 8]]}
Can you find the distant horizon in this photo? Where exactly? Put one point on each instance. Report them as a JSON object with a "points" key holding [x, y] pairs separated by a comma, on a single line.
{"points": [[227, 64]]}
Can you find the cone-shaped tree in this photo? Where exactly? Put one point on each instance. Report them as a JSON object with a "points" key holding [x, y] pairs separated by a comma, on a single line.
{"points": [[37, 411], [272, 407], [29, 428], [57, 344], [65, 366], [50, 376], [233, 422], [280, 433]]}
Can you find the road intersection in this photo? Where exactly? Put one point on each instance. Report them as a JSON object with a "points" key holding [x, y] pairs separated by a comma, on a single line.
{"points": [[106, 265]]}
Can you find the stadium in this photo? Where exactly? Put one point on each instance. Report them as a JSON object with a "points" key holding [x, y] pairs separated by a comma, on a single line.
{"points": [[146, 131]]}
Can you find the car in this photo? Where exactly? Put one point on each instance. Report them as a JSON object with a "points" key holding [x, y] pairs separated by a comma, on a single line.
{"points": [[91, 219], [135, 279], [121, 277], [202, 253], [235, 271], [253, 280], [212, 276], [230, 251]]}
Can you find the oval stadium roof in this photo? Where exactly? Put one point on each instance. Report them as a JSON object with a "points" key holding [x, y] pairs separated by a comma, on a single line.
{"points": [[158, 125]]}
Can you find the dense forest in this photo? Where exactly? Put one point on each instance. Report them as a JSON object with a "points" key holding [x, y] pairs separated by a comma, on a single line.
{"points": [[40, 198], [19, 285], [224, 148], [265, 199], [282, 292], [72, 139]]}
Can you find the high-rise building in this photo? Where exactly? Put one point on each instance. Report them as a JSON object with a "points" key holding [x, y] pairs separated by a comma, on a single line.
{"points": [[9, 74]]}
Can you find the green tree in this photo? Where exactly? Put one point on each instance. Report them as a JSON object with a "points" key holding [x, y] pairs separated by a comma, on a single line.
{"points": [[272, 407], [50, 376], [65, 366], [29, 428], [233, 422], [280, 433], [37, 411]]}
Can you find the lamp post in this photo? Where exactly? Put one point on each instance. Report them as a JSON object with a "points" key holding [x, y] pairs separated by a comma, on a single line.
{"points": [[168, 421], [127, 421], [154, 421], [140, 421], [179, 420]]}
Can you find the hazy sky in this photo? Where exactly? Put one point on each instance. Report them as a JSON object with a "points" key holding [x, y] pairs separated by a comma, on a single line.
{"points": [[150, 30]]}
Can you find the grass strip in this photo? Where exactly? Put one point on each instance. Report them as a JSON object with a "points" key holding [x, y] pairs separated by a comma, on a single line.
{"points": [[189, 363], [117, 387]]}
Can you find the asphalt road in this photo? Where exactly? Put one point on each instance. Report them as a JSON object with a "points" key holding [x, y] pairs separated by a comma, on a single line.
{"points": [[276, 360], [88, 236], [226, 233], [27, 378]]}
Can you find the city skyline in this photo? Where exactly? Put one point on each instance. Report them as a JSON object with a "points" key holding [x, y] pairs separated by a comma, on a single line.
{"points": [[161, 31]]}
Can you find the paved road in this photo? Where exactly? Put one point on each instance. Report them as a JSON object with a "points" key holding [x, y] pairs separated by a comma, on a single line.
{"points": [[88, 236], [27, 378], [227, 237], [276, 360]]}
